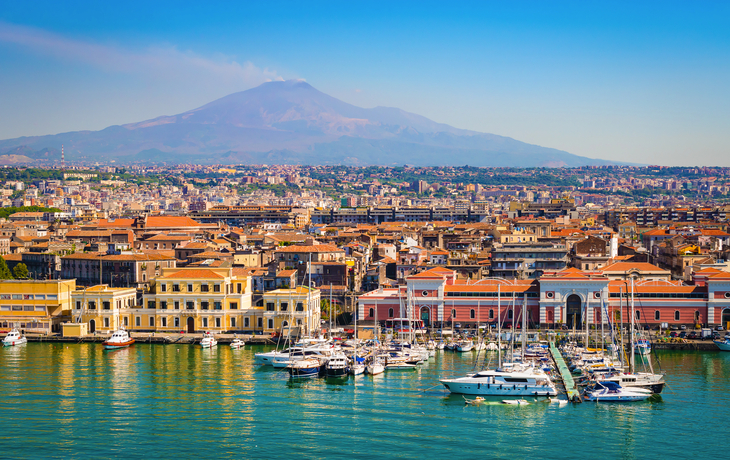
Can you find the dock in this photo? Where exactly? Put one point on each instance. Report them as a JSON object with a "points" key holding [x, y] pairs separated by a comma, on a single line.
{"points": [[158, 338], [570, 388]]}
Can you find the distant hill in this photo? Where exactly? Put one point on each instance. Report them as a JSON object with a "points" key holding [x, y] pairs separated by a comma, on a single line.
{"points": [[290, 122]]}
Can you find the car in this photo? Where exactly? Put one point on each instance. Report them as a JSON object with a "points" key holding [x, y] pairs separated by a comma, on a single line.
{"points": [[673, 334], [683, 334], [683, 327], [719, 328], [673, 327], [693, 335], [715, 336]]}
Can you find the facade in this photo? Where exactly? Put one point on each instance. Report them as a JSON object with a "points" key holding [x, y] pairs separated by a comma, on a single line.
{"points": [[298, 307], [525, 260], [116, 270], [37, 306], [199, 299], [103, 308]]}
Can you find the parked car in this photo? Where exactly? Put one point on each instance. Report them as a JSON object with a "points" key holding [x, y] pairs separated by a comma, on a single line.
{"points": [[693, 335], [683, 334], [673, 327], [719, 328], [683, 327], [673, 334], [715, 336]]}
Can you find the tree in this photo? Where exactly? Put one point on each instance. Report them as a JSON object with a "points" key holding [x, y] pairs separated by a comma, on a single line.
{"points": [[21, 272], [4, 270]]}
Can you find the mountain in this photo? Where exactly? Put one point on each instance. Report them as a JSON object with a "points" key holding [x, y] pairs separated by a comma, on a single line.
{"points": [[290, 122]]}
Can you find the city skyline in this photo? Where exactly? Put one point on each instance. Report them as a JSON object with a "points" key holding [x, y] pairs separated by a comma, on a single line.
{"points": [[628, 83]]}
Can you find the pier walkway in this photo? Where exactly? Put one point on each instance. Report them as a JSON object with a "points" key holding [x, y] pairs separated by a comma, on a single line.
{"points": [[565, 375]]}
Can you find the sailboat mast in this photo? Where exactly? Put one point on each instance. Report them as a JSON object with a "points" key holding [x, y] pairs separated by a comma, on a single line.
{"points": [[524, 326], [632, 360], [499, 326], [330, 310]]}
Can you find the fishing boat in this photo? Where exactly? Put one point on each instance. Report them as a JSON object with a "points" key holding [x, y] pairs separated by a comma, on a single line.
{"points": [[305, 368], [208, 340], [237, 343], [723, 345], [119, 339], [337, 365], [613, 392], [14, 337]]}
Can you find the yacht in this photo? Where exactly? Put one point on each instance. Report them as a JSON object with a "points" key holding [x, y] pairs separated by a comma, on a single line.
{"points": [[612, 391], [646, 380], [723, 345], [503, 382], [465, 346], [337, 365], [14, 337], [237, 343], [119, 339], [304, 368], [208, 340]]}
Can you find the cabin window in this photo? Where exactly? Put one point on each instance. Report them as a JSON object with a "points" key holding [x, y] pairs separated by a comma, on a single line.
{"points": [[371, 313], [676, 315], [638, 315], [234, 305], [233, 322], [390, 313], [657, 315], [491, 314]]}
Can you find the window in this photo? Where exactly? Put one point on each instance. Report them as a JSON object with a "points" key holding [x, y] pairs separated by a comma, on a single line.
{"points": [[491, 314], [510, 314], [5, 296], [657, 315], [216, 288], [246, 322], [78, 305], [217, 306], [177, 305], [372, 312], [126, 321], [163, 305], [261, 323], [300, 306], [424, 294], [137, 321], [638, 315], [390, 313], [238, 288], [203, 288], [17, 297], [190, 305], [270, 323], [175, 288], [697, 316], [270, 306], [233, 322], [472, 314], [40, 297], [453, 313], [151, 304], [284, 306], [92, 305], [152, 321], [234, 305], [163, 321], [205, 322], [177, 322], [676, 315], [27, 307], [203, 305], [163, 287], [218, 322], [106, 322], [52, 296], [190, 288]]}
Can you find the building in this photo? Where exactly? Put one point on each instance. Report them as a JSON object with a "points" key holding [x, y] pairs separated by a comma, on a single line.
{"points": [[103, 308], [35, 305], [297, 307], [527, 260], [115, 270]]}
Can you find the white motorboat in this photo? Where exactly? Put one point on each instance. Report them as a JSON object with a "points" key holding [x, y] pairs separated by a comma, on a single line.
{"points": [[723, 345], [441, 345], [337, 365], [515, 402], [14, 337], [500, 382], [491, 346], [400, 367], [119, 339], [208, 340], [237, 343], [375, 367], [645, 380], [465, 346], [613, 392]]}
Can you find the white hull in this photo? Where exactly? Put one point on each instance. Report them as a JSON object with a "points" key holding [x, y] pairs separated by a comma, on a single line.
{"points": [[357, 369], [375, 369], [500, 390], [11, 343]]}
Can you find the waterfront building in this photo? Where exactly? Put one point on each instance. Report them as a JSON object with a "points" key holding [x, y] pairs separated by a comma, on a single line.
{"points": [[35, 305], [199, 299], [103, 308], [298, 307], [116, 270]]}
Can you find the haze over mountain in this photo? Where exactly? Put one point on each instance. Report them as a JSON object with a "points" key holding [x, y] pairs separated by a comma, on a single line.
{"points": [[290, 122]]}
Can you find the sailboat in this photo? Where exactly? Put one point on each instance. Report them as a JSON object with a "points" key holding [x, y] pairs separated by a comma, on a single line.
{"points": [[357, 368]]}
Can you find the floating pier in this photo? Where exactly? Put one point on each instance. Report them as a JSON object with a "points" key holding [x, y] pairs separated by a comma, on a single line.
{"points": [[570, 388]]}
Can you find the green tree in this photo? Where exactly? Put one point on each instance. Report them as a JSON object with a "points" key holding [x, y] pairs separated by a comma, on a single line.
{"points": [[21, 272], [4, 270]]}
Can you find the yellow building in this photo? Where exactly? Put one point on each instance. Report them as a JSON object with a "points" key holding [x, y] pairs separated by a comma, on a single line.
{"points": [[37, 306], [199, 299], [103, 308], [298, 307]]}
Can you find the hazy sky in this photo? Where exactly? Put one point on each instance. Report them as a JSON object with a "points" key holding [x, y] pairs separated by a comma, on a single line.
{"points": [[642, 82]]}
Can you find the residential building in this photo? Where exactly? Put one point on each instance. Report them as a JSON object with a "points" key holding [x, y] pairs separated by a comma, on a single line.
{"points": [[35, 305]]}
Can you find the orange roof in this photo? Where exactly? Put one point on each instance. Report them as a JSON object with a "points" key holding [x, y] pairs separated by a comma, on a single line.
{"points": [[312, 248], [200, 273], [118, 223], [626, 266], [170, 222]]}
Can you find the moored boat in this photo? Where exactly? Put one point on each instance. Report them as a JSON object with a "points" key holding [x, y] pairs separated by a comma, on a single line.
{"points": [[723, 345], [305, 368], [337, 366], [237, 343], [613, 392], [14, 337], [119, 339], [208, 340], [498, 382]]}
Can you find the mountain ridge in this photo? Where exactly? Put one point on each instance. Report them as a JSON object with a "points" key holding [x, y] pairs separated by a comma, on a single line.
{"points": [[291, 122]]}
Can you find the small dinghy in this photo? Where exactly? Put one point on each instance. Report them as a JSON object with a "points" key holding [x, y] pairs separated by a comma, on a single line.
{"points": [[515, 402], [474, 402], [237, 343]]}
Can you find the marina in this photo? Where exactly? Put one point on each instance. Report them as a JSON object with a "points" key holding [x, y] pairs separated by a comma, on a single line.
{"points": [[220, 400]]}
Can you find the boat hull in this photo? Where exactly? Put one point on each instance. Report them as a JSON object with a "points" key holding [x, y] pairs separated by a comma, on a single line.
{"points": [[497, 389], [15, 342], [336, 372], [116, 346], [723, 346], [303, 372]]}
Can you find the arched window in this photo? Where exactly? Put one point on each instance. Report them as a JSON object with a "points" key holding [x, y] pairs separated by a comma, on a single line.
{"points": [[372, 313], [676, 315], [657, 315], [638, 315], [283, 324], [491, 314], [390, 313], [509, 314], [472, 315], [453, 313], [697, 316]]}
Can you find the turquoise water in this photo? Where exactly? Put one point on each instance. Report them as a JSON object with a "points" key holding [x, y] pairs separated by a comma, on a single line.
{"points": [[167, 401]]}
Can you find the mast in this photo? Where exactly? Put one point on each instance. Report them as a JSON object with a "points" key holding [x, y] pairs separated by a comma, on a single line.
{"points": [[621, 329], [499, 326], [632, 359], [309, 292], [588, 302], [331, 311], [524, 327]]}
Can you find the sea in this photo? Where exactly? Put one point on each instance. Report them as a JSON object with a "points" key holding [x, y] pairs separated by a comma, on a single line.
{"points": [[180, 401]]}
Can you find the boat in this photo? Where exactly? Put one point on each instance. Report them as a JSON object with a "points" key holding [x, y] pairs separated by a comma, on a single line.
{"points": [[645, 380], [357, 369], [305, 368], [613, 392], [14, 337], [642, 347], [503, 382], [208, 340], [337, 366], [723, 345], [515, 402], [473, 402], [375, 366], [237, 343], [465, 346], [119, 339], [400, 366]]}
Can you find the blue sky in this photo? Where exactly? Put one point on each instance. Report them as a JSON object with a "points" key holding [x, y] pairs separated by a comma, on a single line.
{"points": [[642, 82]]}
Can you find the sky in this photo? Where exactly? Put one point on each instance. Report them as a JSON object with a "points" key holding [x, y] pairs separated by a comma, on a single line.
{"points": [[644, 82]]}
